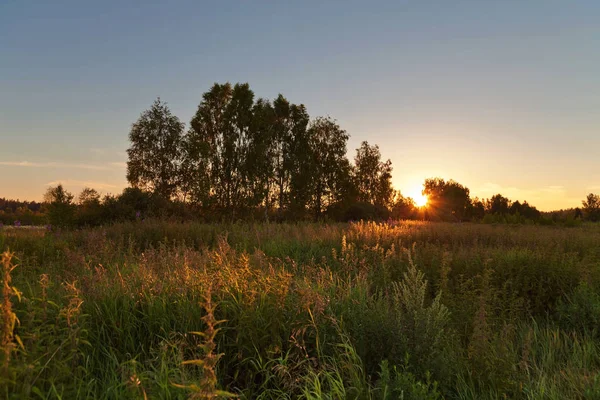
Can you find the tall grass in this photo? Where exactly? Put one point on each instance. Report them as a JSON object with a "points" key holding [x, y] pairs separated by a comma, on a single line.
{"points": [[409, 310]]}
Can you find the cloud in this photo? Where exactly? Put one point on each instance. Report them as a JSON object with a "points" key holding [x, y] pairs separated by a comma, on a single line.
{"points": [[77, 183], [112, 152], [28, 164]]}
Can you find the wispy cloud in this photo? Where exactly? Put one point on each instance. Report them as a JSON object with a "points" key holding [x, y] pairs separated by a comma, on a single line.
{"points": [[28, 164], [82, 184], [110, 152]]}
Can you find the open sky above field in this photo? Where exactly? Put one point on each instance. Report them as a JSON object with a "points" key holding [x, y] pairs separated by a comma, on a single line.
{"points": [[503, 96]]}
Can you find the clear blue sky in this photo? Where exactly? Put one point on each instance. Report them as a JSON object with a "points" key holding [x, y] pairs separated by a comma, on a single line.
{"points": [[503, 96]]}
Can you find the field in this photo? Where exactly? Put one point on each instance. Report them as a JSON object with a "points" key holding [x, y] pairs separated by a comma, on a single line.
{"points": [[411, 310]]}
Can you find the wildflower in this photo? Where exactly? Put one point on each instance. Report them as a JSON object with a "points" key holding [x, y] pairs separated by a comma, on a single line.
{"points": [[138, 214], [49, 227], [17, 223]]}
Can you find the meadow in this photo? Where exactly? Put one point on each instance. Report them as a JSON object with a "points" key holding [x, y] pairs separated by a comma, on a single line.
{"points": [[406, 310]]}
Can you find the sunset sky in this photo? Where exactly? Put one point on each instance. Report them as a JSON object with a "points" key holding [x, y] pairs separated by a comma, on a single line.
{"points": [[502, 96]]}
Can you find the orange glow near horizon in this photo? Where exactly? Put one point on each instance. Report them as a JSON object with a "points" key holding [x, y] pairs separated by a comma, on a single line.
{"points": [[421, 200], [417, 195]]}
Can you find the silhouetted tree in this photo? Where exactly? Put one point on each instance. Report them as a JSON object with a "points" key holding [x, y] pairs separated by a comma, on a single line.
{"points": [[446, 200], [591, 207], [89, 210], [327, 143], [529, 212], [300, 163], [477, 209], [498, 204], [61, 209], [404, 207], [373, 176], [156, 151], [261, 151]]}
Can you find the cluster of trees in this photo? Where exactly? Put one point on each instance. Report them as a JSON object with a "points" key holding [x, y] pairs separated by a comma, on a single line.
{"points": [[451, 201], [25, 212], [243, 157], [89, 208]]}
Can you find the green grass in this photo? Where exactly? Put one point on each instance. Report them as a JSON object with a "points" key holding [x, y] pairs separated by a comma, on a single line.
{"points": [[412, 310]]}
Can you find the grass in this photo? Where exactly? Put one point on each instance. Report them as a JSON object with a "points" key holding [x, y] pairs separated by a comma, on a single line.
{"points": [[410, 310]]}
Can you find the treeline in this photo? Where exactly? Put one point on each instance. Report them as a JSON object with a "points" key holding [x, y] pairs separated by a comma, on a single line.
{"points": [[22, 212], [243, 158], [448, 201]]}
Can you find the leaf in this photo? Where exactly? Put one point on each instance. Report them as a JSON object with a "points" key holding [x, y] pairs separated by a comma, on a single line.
{"points": [[18, 339], [37, 391], [16, 292], [192, 387], [199, 363]]}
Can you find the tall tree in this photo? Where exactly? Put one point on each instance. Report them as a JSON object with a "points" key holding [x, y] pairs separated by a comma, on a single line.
{"points": [[373, 176], [217, 148], [327, 142], [235, 150], [289, 135], [261, 147], [299, 161], [156, 151], [205, 146]]}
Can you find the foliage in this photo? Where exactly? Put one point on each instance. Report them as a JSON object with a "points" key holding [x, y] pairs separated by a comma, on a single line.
{"points": [[372, 176], [61, 210], [306, 311], [447, 201], [591, 207], [155, 152]]}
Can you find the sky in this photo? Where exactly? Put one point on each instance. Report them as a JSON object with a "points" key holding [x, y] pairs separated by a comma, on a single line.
{"points": [[501, 96]]}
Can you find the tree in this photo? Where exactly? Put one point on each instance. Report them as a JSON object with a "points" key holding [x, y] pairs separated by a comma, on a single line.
{"points": [[498, 204], [373, 176], [61, 209], [89, 211], [217, 148], [89, 196], [327, 143], [261, 148], [156, 151], [529, 212], [404, 208], [446, 200], [477, 209], [299, 162], [516, 208], [591, 207]]}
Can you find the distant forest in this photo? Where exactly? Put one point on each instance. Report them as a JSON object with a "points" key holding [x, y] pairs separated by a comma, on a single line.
{"points": [[243, 158]]}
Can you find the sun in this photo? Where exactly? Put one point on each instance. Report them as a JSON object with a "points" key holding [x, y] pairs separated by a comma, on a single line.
{"points": [[419, 198]]}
